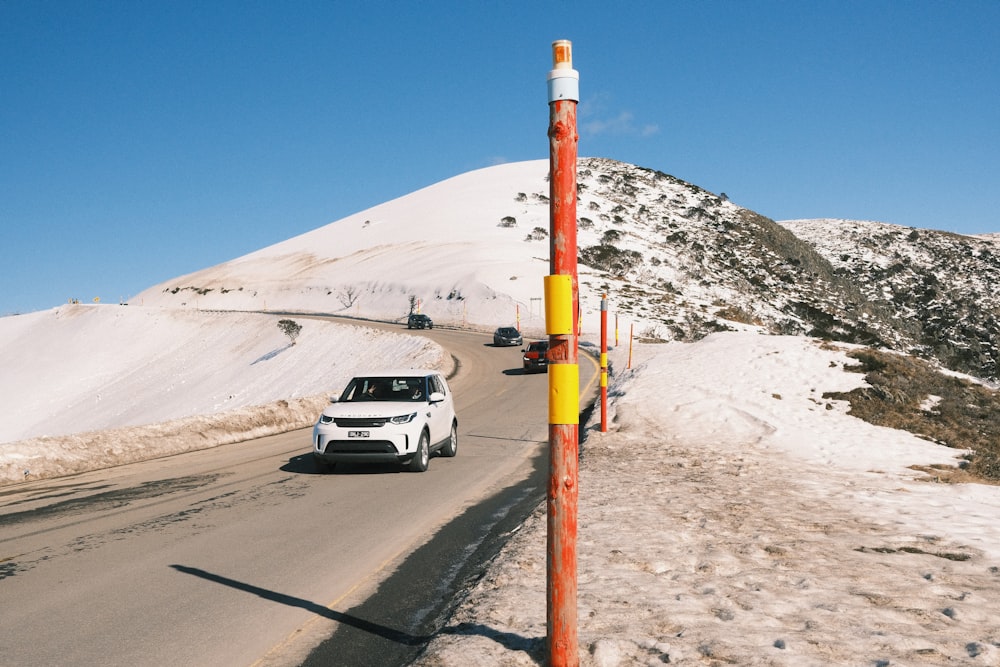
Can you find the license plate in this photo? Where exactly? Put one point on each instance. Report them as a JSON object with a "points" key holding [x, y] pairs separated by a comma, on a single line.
{"points": [[358, 434]]}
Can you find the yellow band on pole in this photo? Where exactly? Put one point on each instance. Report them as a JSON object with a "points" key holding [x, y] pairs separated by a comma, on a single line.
{"points": [[604, 379], [564, 394], [558, 305]]}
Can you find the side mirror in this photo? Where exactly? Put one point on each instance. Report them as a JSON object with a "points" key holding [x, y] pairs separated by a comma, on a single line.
{"points": [[435, 397], [334, 399]]}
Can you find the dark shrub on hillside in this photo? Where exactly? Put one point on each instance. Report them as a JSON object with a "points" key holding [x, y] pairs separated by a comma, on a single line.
{"points": [[611, 237], [537, 234], [609, 258]]}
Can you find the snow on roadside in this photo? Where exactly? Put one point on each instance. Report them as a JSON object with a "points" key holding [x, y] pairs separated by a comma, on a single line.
{"points": [[56, 456], [86, 387], [731, 515]]}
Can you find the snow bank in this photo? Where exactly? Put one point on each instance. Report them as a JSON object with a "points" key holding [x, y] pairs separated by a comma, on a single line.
{"points": [[86, 387]]}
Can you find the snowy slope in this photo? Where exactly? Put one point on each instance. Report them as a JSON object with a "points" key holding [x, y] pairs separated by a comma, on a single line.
{"points": [[679, 262]]}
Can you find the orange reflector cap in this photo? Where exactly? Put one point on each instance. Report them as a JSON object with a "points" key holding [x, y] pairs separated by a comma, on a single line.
{"points": [[562, 54]]}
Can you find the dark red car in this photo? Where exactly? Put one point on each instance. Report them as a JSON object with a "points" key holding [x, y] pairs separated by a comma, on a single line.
{"points": [[536, 357]]}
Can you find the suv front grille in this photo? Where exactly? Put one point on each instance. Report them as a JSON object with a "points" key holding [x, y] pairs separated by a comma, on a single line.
{"points": [[360, 422], [359, 447]]}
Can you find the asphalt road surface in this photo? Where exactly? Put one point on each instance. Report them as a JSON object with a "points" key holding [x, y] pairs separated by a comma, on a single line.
{"points": [[244, 555]]}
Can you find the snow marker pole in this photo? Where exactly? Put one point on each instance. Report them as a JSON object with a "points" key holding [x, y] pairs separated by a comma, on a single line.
{"points": [[562, 326]]}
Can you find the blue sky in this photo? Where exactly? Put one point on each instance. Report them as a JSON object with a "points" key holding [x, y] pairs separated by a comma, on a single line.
{"points": [[140, 141]]}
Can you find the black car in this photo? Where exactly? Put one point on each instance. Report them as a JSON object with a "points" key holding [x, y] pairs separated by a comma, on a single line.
{"points": [[536, 357], [507, 336], [418, 321]]}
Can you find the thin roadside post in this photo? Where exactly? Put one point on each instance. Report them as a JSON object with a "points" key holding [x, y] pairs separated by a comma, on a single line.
{"points": [[604, 364]]}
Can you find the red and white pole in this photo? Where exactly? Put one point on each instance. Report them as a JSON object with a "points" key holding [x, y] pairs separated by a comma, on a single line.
{"points": [[562, 325]]}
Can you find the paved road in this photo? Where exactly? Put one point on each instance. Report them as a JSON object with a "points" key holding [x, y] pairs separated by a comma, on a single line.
{"points": [[242, 554]]}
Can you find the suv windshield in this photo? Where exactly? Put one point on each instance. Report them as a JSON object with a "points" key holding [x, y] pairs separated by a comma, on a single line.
{"points": [[405, 389]]}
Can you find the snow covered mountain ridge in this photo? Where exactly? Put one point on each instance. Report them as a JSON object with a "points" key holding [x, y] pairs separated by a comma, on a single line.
{"points": [[674, 259]]}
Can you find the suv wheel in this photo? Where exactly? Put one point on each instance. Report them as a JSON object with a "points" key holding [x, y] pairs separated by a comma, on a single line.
{"points": [[451, 447], [422, 456]]}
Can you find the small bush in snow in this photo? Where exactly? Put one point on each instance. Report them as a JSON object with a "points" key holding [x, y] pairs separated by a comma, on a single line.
{"points": [[611, 237], [290, 328], [537, 234]]}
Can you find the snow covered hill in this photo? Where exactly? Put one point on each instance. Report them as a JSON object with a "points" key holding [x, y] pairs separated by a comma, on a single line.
{"points": [[677, 261]]}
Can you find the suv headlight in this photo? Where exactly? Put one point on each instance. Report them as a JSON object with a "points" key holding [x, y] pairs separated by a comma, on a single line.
{"points": [[325, 419], [403, 419]]}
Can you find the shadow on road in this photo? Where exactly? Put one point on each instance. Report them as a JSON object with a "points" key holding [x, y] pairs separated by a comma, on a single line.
{"points": [[373, 628], [509, 640], [305, 464], [521, 371]]}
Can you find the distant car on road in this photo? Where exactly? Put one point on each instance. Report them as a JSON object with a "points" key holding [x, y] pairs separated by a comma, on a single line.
{"points": [[418, 321], [536, 357], [507, 336], [396, 416]]}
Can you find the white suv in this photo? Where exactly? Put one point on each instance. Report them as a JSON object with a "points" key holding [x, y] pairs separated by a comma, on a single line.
{"points": [[401, 416]]}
